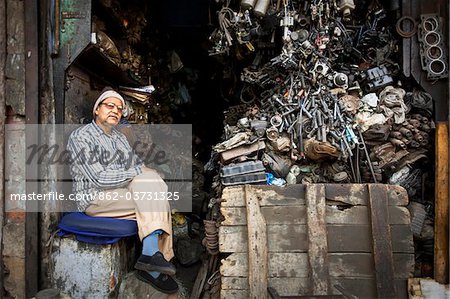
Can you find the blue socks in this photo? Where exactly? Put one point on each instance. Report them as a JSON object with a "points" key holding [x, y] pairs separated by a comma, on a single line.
{"points": [[150, 243], [150, 247]]}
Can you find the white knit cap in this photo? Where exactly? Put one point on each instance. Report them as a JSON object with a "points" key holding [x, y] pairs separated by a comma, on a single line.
{"points": [[105, 95]]}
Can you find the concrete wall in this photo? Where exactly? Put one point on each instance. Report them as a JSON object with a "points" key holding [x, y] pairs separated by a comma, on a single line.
{"points": [[14, 223], [15, 56]]}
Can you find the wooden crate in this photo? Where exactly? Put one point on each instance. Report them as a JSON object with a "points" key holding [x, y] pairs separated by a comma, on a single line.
{"points": [[319, 239]]}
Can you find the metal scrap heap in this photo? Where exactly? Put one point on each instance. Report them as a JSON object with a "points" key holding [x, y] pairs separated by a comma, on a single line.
{"points": [[331, 106]]}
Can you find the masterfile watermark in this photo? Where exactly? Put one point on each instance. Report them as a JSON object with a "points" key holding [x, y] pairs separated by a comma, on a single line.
{"points": [[50, 196], [57, 154], [50, 162]]}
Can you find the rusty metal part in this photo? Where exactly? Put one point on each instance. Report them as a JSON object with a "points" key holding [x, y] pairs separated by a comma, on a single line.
{"points": [[418, 137], [317, 150], [408, 126], [396, 135], [412, 158], [211, 240], [349, 104], [414, 144], [398, 143], [276, 121], [272, 133], [424, 142], [415, 122], [400, 24], [377, 132], [426, 128], [405, 132], [425, 135], [363, 146], [417, 116], [415, 131], [380, 149], [340, 177]]}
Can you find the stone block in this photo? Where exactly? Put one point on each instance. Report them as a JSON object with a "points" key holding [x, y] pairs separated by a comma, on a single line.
{"points": [[15, 26], [15, 68], [14, 239], [15, 97], [89, 270], [14, 279]]}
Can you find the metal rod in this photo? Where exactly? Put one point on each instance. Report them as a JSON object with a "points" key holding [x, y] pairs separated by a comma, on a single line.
{"points": [[367, 156]]}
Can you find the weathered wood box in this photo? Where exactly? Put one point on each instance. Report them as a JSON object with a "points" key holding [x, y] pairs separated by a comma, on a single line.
{"points": [[320, 239]]}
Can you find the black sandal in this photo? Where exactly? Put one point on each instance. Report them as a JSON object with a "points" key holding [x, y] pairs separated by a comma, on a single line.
{"points": [[163, 283], [156, 263]]}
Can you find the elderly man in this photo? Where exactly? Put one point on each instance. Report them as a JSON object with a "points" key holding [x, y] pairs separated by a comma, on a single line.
{"points": [[108, 176]]}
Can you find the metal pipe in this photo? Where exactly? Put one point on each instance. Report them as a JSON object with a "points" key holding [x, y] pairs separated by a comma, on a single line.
{"points": [[248, 4], [261, 8], [31, 117]]}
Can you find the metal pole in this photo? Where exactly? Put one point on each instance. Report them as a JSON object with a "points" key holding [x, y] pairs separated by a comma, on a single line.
{"points": [[32, 117]]}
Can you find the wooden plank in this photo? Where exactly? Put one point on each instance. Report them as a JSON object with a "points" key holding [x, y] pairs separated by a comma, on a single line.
{"points": [[272, 215], [317, 239], [285, 286], [281, 238], [382, 248], [289, 264], [356, 194], [352, 238], [441, 226], [235, 294], [280, 264], [297, 215], [257, 247], [294, 195], [298, 286], [200, 280], [292, 238]]}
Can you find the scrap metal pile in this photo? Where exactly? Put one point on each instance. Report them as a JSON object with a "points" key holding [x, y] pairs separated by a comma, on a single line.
{"points": [[330, 107]]}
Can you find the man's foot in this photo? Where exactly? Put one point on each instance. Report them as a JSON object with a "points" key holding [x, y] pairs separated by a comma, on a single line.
{"points": [[156, 263], [163, 283]]}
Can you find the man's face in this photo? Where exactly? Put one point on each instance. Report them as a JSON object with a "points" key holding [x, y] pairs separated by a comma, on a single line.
{"points": [[109, 112]]}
